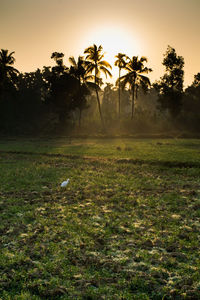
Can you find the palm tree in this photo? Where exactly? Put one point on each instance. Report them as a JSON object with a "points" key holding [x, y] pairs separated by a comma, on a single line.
{"points": [[6, 62], [95, 63], [120, 63], [78, 69], [135, 78]]}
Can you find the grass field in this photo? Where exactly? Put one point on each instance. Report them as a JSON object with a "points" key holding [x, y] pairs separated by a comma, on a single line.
{"points": [[126, 227]]}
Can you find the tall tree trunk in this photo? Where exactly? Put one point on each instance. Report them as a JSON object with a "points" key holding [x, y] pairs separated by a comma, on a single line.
{"points": [[98, 100], [119, 95], [133, 101], [133, 97], [80, 108], [99, 107]]}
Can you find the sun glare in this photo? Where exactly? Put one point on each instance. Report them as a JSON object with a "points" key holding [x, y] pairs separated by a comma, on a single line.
{"points": [[114, 40]]}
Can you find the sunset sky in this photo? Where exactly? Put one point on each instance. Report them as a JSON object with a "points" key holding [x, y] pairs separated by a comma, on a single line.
{"points": [[36, 28]]}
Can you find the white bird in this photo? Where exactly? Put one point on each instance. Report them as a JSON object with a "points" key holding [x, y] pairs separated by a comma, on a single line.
{"points": [[65, 183]]}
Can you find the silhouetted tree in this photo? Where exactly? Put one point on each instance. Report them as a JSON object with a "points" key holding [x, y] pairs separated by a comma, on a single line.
{"points": [[64, 87], [120, 63], [8, 77], [8, 73], [170, 86], [78, 69], [95, 64], [109, 102], [191, 105], [60, 67], [135, 78], [6, 64], [196, 82], [30, 98]]}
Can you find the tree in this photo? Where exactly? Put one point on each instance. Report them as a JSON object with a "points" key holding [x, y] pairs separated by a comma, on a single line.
{"points": [[120, 63], [109, 102], [191, 105], [60, 67], [64, 88], [78, 69], [8, 73], [30, 87], [6, 62], [8, 78], [134, 78], [170, 86], [196, 82], [94, 63]]}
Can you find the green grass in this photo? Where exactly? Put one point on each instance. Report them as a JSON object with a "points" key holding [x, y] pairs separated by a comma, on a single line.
{"points": [[126, 227]]}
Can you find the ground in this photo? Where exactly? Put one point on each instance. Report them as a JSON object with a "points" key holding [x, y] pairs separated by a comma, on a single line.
{"points": [[126, 226]]}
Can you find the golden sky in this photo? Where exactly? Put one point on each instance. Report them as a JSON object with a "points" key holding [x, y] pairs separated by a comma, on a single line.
{"points": [[36, 28]]}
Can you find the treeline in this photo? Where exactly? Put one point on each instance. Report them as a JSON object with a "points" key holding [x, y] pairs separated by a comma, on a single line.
{"points": [[74, 98]]}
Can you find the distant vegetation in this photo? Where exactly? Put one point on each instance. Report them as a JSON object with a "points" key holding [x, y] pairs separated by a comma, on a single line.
{"points": [[74, 99]]}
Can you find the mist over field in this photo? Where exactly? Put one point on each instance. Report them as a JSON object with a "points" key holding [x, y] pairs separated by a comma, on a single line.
{"points": [[73, 100]]}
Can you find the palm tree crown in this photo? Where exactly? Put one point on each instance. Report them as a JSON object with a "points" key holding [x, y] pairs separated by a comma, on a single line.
{"points": [[120, 63], [78, 69], [135, 78], [5, 58], [6, 62], [95, 63]]}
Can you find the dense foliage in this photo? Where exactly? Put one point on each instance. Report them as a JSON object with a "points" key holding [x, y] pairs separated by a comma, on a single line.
{"points": [[170, 86], [62, 99]]}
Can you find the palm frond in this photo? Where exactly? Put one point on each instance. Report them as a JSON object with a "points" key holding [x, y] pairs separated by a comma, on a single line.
{"points": [[100, 57], [105, 71], [88, 50], [89, 77], [146, 70], [143, 58], [120, 62], [120, 56], [88, 57], [11, 69], [100, 48], [128, 68], [6, 58], [72, 61], [144, 79], [105, 64], [124, 82], [90, 68]]}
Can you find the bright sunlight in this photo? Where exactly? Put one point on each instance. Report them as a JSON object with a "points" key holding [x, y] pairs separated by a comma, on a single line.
{"points": [[114, 40]]}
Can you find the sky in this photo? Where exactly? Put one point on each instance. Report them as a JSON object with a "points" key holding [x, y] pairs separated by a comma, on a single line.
{"points": [[36, 28]]}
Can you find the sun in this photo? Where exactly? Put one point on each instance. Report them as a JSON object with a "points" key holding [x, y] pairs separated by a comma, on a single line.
{"points": [[114, 40]]}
